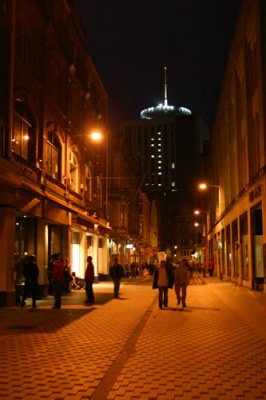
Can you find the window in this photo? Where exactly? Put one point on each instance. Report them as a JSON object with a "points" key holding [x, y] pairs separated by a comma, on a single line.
{"points": [[73, 172], [54, 156], [88, 184], [99, 192], [23, 139]]}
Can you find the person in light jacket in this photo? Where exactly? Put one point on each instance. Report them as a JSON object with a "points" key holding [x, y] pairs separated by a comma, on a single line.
{"points": [[182, 277], [163, 280]]}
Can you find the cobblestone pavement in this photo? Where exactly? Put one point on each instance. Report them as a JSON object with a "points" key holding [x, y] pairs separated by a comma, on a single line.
{"points": [[128, 348]]}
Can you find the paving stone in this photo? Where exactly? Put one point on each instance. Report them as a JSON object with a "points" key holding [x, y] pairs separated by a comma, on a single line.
{"points": [[170, 356]]}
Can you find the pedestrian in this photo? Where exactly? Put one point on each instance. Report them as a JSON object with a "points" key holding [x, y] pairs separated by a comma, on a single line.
{"points": [[67, 276], [50, 276], [58, 279], [31, 274], [163, 280], [211, 266], [89, 279], [116, 273], [182, 277]]}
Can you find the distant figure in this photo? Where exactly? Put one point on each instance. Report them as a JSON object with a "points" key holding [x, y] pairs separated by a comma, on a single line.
{"points": [[89, 279], [50, 276], [211, 267], [58, 279], [116, 273], [182, 277], [163, 280], [75, 283], [67, 276], [133, 270], [31, 274]]}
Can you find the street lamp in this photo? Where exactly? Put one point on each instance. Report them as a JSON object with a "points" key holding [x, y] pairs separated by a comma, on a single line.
{"points": [[205, 186], [202, 186], [207, 227]]}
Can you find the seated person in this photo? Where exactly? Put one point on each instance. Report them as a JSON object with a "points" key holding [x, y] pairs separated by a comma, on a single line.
{"points": [[75, 283]]}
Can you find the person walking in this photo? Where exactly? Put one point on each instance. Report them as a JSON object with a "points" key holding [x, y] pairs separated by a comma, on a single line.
{"points": [[116, 273], [163, 280], [58, 279], [211, 266], [89, 279], [182, 277], [31, 274]]}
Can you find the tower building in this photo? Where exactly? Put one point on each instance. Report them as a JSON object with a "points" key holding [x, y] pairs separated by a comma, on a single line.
{"points": [[166, 143]]}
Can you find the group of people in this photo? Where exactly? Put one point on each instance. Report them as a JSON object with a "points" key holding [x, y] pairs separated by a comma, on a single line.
{"points": [[59, 279], [165, 278]]}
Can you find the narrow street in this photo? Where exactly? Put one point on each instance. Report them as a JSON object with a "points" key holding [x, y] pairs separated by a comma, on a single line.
{"points": [[128, 348]]}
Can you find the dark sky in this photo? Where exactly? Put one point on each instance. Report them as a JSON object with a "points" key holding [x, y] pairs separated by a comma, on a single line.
{"points": [[130, 41]]}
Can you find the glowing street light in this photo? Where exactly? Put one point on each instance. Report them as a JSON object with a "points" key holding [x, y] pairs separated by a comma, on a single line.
{"points": [[205, 186], [96, 136]]}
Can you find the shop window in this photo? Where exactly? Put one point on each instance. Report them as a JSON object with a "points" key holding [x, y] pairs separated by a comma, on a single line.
{"points": [[54, 152], [23, 138]]}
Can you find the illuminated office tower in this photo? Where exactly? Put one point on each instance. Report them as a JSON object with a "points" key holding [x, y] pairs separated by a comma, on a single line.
{"points": [[166, 143]]}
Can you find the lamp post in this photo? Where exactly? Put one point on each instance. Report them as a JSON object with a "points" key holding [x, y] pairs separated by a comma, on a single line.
{"points": [[207, 227], [204, 186]]}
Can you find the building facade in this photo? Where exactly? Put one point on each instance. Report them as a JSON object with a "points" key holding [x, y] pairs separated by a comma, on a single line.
{"points": [[132, 215], [53, 196], [237, 156]]}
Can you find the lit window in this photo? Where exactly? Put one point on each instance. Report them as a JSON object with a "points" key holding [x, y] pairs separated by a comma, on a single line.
{"points": [[53, 156], [159, 173], [173, 184], [152, 145], [173, 165], [22, 139], [159, 150], [152, 156]]}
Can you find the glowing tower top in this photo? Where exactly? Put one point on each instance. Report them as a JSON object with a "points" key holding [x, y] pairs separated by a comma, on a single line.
{"points": [[164, 110]]}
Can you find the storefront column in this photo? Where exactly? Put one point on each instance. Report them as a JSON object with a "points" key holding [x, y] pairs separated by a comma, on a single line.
{"points": [[42, 257], [7, 270]]}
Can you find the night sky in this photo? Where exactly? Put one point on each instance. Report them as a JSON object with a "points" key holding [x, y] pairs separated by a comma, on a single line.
{"points": [[130, 41]]}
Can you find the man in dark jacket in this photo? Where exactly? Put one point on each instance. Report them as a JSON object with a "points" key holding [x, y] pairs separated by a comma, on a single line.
{"points": [[89, 279], [116, 273], [58, 279], [31, 274]]}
